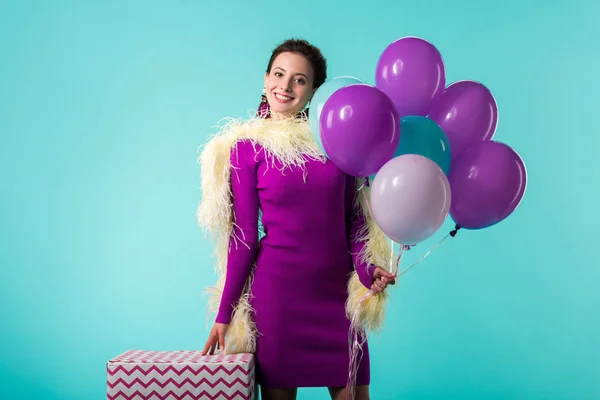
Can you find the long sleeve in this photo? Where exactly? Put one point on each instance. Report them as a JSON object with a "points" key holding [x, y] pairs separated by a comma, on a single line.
{"points": [[355, 222], [243, 244]]}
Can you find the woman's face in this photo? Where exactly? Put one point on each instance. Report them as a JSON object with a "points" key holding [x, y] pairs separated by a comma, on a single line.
{"points": [[289, 85]]}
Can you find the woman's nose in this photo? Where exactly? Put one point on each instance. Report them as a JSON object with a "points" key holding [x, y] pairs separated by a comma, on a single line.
{"points": [[287, 86]]}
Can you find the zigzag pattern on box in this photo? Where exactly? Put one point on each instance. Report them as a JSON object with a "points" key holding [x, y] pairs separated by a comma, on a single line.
{"points": [[179, 375], [203, 368], [154, 395], [171, 381]]}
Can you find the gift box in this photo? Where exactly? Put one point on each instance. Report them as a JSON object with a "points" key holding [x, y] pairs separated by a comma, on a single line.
{"points": [[179, 375]]}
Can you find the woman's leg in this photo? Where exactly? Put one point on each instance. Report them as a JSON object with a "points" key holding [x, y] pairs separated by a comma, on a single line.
{"points": [[341, 393], [277, 394]]}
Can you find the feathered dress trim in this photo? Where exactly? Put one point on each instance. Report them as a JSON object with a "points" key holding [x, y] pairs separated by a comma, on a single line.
{"points": [[291, 143]]}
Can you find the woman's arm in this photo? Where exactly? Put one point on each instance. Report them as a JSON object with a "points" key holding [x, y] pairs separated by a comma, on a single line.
{"points": [[356, 222], [371, 276], [243, 244]]}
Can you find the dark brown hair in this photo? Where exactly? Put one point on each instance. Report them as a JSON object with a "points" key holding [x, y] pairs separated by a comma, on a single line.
{"points": [[309, 51]]}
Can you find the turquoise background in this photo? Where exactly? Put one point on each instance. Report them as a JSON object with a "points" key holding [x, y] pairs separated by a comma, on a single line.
{"points": [[103, 106]]}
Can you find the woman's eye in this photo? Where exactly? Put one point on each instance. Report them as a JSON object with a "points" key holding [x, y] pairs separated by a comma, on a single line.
{"points": [[301, 81], [278, 74]]}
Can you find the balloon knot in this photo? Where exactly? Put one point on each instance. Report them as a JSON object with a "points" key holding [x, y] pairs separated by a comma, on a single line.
{"points": [[455, 230], [367, 184]]}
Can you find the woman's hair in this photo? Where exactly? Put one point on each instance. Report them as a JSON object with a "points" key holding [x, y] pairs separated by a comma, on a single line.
{"points": [[308, 51]]}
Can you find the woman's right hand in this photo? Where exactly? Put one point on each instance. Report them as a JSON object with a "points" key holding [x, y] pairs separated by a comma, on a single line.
{"points": [[216, 339]]}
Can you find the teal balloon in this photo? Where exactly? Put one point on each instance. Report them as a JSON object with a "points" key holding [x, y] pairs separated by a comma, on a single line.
{"points": [[423, 136], [320, 98]]}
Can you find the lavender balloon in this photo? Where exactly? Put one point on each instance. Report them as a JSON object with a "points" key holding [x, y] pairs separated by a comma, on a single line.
{"points": [[360, 129], [488, 182], [410, 198], [467, 112], [411, 71]]}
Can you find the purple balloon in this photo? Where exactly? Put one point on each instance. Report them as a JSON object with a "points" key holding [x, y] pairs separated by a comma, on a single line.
{"points": [[411, 71], [467, 113], [488, 182], [360, 129]]}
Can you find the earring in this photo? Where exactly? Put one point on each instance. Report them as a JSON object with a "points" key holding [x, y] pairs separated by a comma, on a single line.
{"points": [[263, 97], [263, 108]]}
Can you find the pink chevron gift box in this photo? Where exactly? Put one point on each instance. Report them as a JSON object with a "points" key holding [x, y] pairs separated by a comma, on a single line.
{"points": [[179, 375]]}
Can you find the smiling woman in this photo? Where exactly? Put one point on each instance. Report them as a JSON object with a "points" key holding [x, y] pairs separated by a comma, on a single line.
{"points": [[286, 296], [295, 71], [289, 84]]}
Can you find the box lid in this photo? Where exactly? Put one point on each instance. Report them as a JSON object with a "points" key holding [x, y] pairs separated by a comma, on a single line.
{"points": [[179, 357]]}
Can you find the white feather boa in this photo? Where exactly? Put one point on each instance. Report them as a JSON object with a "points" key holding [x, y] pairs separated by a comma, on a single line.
{"points": [[288, 140]]}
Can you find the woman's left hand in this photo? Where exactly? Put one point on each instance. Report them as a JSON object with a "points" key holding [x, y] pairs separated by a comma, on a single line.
{"points": [[382, 278]]}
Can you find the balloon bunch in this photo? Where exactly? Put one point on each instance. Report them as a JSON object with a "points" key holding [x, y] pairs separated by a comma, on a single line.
{"points": [[427, 147]]}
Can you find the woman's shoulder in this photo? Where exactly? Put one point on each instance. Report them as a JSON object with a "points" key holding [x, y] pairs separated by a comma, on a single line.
{"points": [[228, 133], [245, 147], [231, 131], [287, 140]]}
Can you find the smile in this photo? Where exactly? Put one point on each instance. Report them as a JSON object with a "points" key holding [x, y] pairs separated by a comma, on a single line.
{"points": [[282, 98]]}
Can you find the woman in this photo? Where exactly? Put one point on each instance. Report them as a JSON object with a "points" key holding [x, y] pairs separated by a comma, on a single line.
{"points": [[289, 295]]}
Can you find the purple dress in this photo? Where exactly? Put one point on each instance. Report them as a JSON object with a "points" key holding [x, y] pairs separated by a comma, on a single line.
{"points": [[302, 267]]}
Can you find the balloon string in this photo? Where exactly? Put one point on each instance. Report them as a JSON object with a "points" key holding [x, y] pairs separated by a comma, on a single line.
{"points": [[452, 233], [425, 255], [357, 335], [354, 342], [357, 330], [355, 348]]}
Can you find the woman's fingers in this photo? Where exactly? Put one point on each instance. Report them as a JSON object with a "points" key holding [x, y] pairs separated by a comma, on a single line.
{"points": [[209, 346]]}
